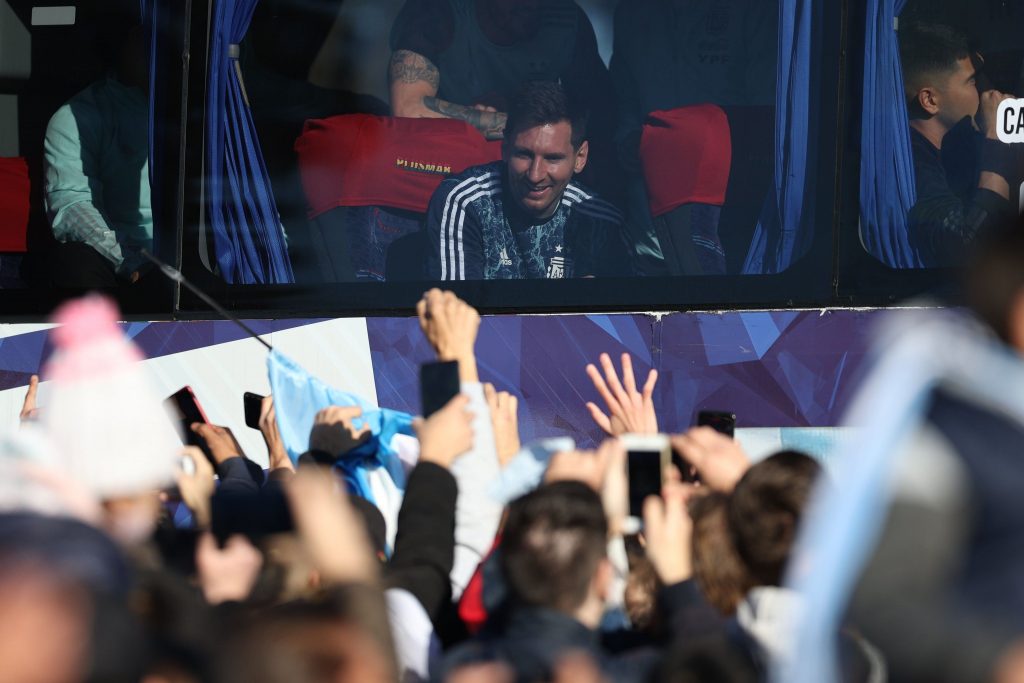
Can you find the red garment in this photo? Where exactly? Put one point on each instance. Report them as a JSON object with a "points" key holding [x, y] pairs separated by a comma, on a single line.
{"points": [[686, 154], [14, 204], [363, 160], [472, 611]]}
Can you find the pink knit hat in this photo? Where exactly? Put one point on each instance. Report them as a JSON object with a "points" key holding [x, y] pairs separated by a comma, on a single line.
{"points": [[104, 418]]}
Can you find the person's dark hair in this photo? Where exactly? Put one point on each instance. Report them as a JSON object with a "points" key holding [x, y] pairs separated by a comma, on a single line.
{"points": [[765, 509], [928, 50], [995, 278], [720, 573], [544, 102], [554, 540]]}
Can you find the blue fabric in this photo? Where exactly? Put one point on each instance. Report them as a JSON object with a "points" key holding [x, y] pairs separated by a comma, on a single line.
{"points": [[298, 396], [248, 237], [916, 352], [887, 191], [781, 235]]}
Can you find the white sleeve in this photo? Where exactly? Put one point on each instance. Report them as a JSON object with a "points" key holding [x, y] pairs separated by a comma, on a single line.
{"points": [[417, 646], [477, 514]]}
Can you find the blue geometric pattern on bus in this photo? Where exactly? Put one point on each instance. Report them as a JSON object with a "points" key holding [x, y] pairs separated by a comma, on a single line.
{"points": [[773, 368]]}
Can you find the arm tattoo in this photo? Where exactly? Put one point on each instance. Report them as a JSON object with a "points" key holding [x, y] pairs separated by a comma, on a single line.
{"points": [[409, 67], [490, 123]]}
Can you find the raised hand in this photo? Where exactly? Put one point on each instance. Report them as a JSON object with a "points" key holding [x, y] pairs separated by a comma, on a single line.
{"points": [[329, 527], [278, 456], [589, 467], [334, 431], [629, 410], [719, 460], [668, 532], [451, 326], [196, 485], [446, 434], [219, 440], [504, 409], [227, 573], [29, 411]]}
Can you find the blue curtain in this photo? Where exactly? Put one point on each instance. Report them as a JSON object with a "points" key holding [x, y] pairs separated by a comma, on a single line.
{"points": [[248, 236], [887, 190], [781, 236]]}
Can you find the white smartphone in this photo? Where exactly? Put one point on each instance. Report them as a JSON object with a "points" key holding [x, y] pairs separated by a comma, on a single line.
{"points": [[647, 457]]}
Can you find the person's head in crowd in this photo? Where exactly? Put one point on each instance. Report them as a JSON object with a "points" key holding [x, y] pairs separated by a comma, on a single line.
{"points": [[344, 637], [764, 512], [640, 595], [938, 76], [717, 568], [544, 147], [98, 440], [995, 285], [743, 539], [553, 552]]}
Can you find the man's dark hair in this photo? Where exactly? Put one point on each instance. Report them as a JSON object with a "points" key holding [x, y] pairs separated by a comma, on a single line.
{"points": [[929, 50], [554, 540], [544, 102], [765, 509]]}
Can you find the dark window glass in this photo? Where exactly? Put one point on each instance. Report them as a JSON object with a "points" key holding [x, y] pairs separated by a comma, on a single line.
{"points": [[398, 143], [76, 203]]}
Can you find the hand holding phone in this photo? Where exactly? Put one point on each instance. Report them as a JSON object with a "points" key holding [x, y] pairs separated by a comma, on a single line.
{"points": [[253, 404], [721, 421], [647, 456], [185, 406], [439, 384]]}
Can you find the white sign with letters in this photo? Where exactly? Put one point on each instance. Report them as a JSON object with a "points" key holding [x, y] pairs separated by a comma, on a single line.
{"points": [[1010, 120]]}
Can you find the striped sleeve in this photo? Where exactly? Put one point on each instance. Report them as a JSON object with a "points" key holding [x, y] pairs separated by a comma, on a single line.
{"points": [[454, 230]]}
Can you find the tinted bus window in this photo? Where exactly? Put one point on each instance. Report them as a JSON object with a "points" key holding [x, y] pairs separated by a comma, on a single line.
{"points": [[398, 143]]}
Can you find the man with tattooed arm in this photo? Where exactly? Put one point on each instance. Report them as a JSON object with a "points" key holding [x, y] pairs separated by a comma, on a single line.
{"points": [[465, 59]]}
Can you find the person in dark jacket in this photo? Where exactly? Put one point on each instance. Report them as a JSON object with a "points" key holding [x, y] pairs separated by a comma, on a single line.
{"points": [[959, 195]]}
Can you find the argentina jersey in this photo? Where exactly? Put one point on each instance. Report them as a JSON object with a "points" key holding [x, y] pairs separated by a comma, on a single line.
{"points": [[475, 235]]}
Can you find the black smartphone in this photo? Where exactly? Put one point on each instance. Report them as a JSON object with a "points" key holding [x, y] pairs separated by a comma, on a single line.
{"points": [[439, 384], [184, 404], [721, 421], [253, 407], [647, 456]]}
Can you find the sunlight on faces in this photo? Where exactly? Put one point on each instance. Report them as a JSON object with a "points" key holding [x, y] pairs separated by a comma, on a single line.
{"points": [[541, 161]]}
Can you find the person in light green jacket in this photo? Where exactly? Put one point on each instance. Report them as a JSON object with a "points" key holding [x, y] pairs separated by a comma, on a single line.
{"points": [[96, 189]]}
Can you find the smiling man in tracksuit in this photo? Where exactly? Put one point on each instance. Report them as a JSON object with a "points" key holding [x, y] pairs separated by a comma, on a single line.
{"points": [[523, 217]]}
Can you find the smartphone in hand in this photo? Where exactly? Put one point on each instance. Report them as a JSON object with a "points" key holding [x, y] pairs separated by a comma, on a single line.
{"points": [[647, 455], [721, 421], [439, 384], [253, 407], [184, 404]]}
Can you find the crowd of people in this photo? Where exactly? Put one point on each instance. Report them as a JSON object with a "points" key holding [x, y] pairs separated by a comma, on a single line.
{"points": [[126, 556], [284, 575]]}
